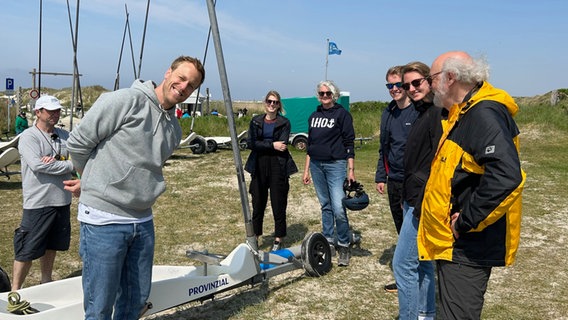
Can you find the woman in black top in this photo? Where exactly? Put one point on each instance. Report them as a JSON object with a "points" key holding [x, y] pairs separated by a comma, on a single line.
{"points": [[270, 165]]}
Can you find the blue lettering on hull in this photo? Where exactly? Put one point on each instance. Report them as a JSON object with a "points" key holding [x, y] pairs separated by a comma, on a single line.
{"points": [[208, 286]]}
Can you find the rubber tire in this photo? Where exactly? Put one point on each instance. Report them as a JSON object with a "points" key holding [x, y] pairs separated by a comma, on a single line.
{"points": [[198, 145], [211, 146], [316, 255], [5, 285], [300, 143]]}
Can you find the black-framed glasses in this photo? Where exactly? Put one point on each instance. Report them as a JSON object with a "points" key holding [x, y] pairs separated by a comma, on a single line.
{"points": [[392, 85], [325, 93], [430, 78], [415, 83], [275, 102]]}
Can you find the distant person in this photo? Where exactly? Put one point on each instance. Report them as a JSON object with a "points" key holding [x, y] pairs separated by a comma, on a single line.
{"points": [[46, 169], [471, 212], [120, 148], [179, 112], [396, 121], [330, 158], [415, 279], [21, 122], [270, 165], [185, 115]]}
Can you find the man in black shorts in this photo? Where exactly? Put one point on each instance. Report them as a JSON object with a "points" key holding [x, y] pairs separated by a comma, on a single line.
{"points": [[46, 185]]}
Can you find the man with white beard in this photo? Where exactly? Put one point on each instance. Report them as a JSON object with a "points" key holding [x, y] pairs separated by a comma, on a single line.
{"points": [[471, 211]]}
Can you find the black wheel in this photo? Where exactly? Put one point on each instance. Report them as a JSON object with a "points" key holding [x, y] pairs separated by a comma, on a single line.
{"points": [[198, 145], [211, 146], [316, 254], [5, 285], [243, 144], [300, 143]]}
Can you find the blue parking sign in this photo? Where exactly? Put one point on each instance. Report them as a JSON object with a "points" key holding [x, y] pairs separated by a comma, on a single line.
{"points": [[9, 84]]}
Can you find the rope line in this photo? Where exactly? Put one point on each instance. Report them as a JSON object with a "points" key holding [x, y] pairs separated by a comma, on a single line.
{"points": [[18, 306]]}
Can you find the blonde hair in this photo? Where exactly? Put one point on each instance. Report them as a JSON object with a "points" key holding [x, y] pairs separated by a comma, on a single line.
{"points": [[277, 95]]}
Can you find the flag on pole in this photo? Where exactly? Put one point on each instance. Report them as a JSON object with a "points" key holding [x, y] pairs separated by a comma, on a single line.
{"points": [[333, 49]]}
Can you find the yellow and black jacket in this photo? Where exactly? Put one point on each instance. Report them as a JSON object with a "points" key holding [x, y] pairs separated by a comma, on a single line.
{"points": [[477, 172]]}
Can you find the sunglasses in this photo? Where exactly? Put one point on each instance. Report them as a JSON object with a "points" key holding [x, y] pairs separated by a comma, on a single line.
{"points": [[392, 85], [325, 93], [415, 83], [269, 102]]}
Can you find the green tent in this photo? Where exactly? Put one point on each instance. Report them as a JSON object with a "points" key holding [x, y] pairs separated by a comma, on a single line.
{"points": [[299, 109]]}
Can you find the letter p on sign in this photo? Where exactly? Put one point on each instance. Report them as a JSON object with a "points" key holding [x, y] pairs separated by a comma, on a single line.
{"points": [[9, 84]]}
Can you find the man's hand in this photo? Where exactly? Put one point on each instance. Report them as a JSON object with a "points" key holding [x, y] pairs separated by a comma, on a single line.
{"points": [[73, 186], [47, 159], [306, 177], [454, 218]]}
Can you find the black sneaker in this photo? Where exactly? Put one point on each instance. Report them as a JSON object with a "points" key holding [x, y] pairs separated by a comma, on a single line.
{"points": [[356, 239], [392, 288], [344, 256]]}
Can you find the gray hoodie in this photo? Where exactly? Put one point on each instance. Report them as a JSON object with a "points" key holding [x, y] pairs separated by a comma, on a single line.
{"points": [[121, 145]]}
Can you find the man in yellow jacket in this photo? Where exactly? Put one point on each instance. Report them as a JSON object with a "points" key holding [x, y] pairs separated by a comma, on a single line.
{"points": [[471, 211]]}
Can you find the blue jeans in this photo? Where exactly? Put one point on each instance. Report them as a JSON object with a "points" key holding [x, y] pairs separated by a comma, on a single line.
{"points": [[117, 269], [415, 279], [328, 178]]}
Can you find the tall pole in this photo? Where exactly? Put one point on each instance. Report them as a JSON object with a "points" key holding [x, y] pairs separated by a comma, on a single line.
{"points": [[131, 47], [117, 79], [199, 89], [143, 37], [75, 66], [39, 50], [251, 238], [326, 58]]}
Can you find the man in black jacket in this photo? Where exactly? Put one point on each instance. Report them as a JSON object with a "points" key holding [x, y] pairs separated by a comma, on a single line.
{"points": [[396, 122]]}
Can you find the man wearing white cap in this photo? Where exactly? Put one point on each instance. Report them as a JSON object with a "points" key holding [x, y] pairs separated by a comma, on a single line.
{"points": [[46, 181]]}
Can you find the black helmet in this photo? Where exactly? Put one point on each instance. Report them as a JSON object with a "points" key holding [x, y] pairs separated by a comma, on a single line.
{"points": [[355, 197]]}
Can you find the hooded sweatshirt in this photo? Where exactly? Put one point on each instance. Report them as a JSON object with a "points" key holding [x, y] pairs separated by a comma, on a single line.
{"points": [[331, 135], [477, 172], [121, 145]]}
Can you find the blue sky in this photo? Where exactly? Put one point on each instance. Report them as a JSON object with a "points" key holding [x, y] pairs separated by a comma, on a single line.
{"points": [[281, 45]]}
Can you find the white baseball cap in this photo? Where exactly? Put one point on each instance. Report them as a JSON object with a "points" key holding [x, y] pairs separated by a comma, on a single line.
{"points": [[48, 103]]}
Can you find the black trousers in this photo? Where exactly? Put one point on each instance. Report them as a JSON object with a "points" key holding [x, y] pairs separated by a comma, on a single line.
{"points": [[269, 178], [394, 190], [461, 290]]}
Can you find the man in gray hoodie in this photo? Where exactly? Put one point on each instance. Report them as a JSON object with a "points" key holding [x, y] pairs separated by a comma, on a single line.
{"points": [[120, 148]]}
